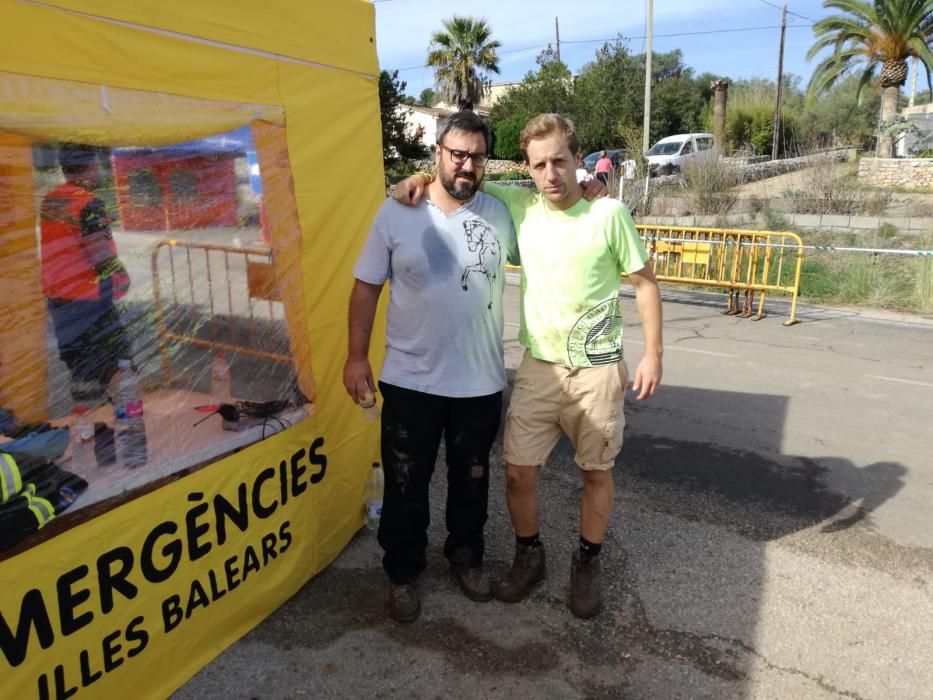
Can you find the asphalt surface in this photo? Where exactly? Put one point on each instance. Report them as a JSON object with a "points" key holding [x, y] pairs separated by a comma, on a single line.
{"points": [[772, 538]]}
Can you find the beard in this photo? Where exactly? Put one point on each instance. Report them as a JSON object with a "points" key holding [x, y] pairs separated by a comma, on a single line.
{"points": [[463, 192]]}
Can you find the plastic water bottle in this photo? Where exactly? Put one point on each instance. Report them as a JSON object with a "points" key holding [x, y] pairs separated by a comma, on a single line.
{"points": [[370, 407], [82, 441], [220, 380], [374, 490], [129, 427]]}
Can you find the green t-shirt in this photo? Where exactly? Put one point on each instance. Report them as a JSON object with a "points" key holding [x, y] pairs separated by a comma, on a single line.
{"points": [[571, 264]]}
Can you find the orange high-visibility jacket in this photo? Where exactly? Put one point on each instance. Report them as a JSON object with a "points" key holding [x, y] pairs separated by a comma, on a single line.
{"points": [[67, 271]]}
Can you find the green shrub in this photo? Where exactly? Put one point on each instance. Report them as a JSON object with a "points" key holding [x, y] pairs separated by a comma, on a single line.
{"points": [[751, 126], [507, 135], [508, 175], [887, 231], [775, 220], [399, 171]]}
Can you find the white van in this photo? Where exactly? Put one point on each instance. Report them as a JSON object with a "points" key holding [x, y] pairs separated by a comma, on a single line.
{"points": [[671, 153]]}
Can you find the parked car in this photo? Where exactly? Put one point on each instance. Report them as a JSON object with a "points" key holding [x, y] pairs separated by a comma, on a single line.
{"points": [[671, 153]]}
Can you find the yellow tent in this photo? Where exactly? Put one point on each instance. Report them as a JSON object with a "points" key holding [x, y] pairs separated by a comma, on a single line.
{"points": [[138, 593]]}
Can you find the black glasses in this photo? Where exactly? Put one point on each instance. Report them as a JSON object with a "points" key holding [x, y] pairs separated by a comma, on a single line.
{"points": [[459, 157]]}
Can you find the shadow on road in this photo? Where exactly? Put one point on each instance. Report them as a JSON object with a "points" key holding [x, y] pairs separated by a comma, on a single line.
{"points": [[686, 563]]}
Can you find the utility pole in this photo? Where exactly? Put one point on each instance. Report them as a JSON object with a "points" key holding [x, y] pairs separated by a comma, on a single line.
{"points": [[557, 32], [780, 85], [646, 125], [913, 82]]}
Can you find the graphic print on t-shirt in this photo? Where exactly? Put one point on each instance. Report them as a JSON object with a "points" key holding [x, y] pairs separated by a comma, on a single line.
{"points": [[596, 337], [482, 240]]}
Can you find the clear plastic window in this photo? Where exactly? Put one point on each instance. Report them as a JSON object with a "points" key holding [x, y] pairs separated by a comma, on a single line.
{"points": [[154, 319]]}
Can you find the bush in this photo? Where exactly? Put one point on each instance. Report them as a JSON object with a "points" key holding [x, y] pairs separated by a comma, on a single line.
{"points": [[508, 175], [711, 187], [824, 191], [507, 135], [399, 171], [775, 220]]}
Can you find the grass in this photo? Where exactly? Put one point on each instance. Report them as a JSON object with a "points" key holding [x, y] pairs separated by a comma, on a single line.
{"points": [[887, 281]]}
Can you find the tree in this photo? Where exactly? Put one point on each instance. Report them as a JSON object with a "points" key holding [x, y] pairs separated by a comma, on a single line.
{"points": [[677, 107], [507, 133], [837, 118], [879, 34], [548, 89], [461, 56], [396, 143], [427, 98], [608, 94], [750, 116]]}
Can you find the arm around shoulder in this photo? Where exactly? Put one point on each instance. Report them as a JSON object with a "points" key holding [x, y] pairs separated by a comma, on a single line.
{"points": [[410, 190]]}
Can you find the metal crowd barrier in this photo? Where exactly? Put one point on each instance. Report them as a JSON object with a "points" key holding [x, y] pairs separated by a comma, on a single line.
{"points": [[212, 280], [740, 261]]}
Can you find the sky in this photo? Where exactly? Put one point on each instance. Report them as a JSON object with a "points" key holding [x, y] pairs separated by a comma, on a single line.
{"points": [[525, 27]]}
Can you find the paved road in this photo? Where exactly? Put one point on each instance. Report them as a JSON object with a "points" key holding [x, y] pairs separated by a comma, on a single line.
{"points": [[773, 538]]}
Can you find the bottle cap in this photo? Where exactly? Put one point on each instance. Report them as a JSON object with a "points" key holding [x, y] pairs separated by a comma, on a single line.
{"points": [[80, 410]]}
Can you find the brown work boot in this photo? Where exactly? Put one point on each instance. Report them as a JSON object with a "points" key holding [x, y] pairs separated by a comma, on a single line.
{"points": [[473, 581], [403, 603], [527, 571], [586, 595]]}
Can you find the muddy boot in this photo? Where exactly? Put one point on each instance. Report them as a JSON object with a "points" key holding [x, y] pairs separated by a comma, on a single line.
{"points": [[403, 603], [473, 581], [527, 571], [586, 596]]}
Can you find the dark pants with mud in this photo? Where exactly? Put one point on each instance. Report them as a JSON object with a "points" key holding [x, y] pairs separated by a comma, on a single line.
{"points": [[90, 335], [412, 426]]}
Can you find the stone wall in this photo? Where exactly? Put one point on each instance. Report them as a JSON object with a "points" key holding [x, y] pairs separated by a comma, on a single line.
{"points": [[772, 168], [492, 166], [912, 173], [809, 222], [753, 169]]}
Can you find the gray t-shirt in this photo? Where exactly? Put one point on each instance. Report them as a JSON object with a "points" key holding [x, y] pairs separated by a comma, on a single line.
{"points": [[446, 273]]}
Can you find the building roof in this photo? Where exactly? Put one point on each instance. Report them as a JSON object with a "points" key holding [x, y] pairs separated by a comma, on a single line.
{"points": [[433, 111]]}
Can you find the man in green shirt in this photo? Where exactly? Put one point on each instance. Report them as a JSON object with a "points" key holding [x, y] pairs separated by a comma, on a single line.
{"points": [[572, 378]]}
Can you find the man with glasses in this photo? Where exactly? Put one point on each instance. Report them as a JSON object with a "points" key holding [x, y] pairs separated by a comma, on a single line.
{"points": [[444, 371]]}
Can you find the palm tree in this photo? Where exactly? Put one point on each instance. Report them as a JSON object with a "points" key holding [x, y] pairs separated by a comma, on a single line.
{"points": [[879, 33], [458, 54]]}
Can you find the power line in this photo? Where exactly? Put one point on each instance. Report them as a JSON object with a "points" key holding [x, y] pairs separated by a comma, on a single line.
{"points": [[778, 7], [707, 31], [604, 39]]}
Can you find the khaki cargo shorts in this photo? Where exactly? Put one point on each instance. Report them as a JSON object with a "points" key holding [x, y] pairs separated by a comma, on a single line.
{"points": [[585, 403]]}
